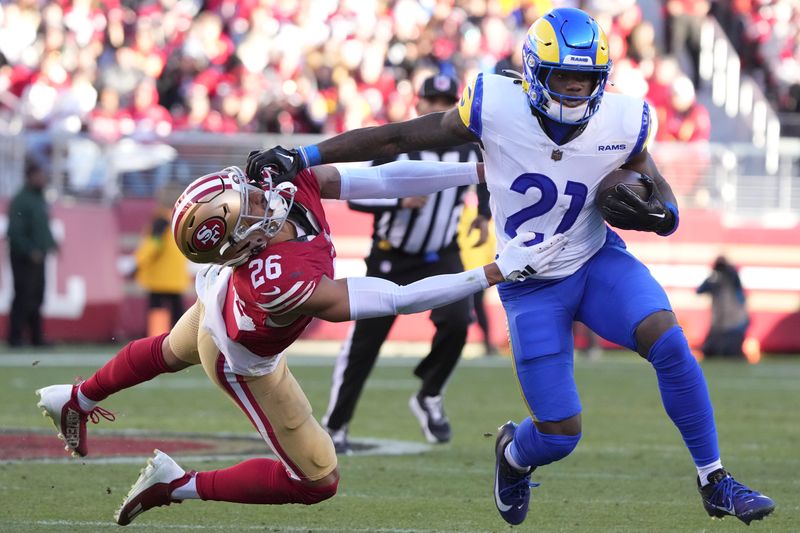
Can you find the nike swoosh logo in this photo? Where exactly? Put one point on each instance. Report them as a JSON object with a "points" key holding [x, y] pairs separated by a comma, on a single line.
{"points": [[726, 509], [658, 215], [285, 157], [273, 292], [500, 505]]}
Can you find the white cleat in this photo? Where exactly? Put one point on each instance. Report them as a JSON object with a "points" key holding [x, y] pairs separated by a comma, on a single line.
{"points": [[59, 403], [152, 489]]}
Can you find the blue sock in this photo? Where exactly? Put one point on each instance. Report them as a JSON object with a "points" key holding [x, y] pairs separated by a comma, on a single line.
{"points": [[685, 395], [531, 448]]}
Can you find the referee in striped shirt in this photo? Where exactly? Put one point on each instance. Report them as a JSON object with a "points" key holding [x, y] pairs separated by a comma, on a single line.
{"points": [[412, 238]]}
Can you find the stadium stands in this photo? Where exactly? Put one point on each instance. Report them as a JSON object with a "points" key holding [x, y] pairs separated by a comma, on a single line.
{"points": [[123, 95], [288, 67]]}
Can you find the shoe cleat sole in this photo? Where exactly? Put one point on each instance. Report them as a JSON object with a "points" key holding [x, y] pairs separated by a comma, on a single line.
{"points": [[46, 414], [144, 482], [721, 515], [142, 478], [756, 516]]}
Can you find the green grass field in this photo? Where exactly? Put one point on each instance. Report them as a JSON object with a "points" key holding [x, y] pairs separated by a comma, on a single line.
{"points": [[630, 472]]}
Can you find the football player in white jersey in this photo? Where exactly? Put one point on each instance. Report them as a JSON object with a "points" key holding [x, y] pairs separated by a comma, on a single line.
{"points": [[548, 138]]}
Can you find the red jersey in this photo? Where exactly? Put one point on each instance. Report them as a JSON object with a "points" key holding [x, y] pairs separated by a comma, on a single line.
{"points": [[280, 279]]}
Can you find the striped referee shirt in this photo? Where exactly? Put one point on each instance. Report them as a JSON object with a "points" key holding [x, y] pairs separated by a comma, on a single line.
{"points": [[432, 227]]}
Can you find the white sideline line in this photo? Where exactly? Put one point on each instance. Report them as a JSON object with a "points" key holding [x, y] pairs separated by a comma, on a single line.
{"points": [[321, 352], [74, 359], [200, 527], [786, 370]]}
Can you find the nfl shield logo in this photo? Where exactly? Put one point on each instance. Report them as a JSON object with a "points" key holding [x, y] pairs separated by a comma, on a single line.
{"points": [[556, 155], [441, 83]]}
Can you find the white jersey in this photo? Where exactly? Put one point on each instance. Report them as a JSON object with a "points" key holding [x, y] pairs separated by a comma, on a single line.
{"points": [[535, 184], [212, 284]]}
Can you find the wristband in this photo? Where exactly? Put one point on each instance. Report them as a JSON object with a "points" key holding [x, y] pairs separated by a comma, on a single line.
{"points": [[484, 209], [310, 155], [674, 210]]}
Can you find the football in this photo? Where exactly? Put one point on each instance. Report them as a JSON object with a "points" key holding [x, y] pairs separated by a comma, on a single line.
{"points": [[617, 177]]}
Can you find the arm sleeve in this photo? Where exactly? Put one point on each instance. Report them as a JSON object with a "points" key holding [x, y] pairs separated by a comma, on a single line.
{"points": [[404, 178], [374, 297]]}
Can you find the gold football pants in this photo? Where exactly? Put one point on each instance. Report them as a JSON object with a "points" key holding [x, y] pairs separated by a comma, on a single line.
{"points": [[274, 403]]}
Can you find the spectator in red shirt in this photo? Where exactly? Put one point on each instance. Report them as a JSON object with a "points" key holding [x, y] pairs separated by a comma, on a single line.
{"points": [[40, 99], [109, 123], [229, 104], [151, 121], [686, 119], [199, 116], [665, 70], [151, 58]]}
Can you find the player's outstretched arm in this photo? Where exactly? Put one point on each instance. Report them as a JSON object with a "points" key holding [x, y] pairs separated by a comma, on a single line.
{"points": [[435, 130], [356, 298], [399, 179]]}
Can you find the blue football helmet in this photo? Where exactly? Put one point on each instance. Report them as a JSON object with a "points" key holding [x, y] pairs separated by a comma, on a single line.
{"points": [[564, 39]]}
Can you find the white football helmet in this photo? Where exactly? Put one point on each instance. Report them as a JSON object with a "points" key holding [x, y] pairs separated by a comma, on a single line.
{"points": [[221, 218]]}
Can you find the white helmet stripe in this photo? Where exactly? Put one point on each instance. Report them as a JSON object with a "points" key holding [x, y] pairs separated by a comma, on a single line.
{"points": [[197, 193]]}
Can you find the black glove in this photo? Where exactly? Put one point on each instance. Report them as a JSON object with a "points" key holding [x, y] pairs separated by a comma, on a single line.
{"points": [[284, 164], [627, 210]]}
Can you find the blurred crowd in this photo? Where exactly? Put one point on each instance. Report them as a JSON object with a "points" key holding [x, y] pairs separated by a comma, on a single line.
{"points": [[143, 69], [767, 35]]}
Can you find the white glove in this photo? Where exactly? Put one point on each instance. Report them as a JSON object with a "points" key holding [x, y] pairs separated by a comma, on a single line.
{"points": [[517, 261]]}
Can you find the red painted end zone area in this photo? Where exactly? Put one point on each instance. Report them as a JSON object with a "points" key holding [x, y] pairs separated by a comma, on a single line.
{"points": [[38, 446]]}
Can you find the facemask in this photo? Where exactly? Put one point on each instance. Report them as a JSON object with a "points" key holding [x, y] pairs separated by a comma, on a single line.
{"points": [[562, 113]]}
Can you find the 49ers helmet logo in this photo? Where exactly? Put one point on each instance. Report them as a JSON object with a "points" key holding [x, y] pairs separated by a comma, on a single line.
{"points": [[209, 234]]}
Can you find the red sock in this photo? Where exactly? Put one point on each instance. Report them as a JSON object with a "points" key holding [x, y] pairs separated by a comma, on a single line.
{"points": [[259, 481], [137, 362]]}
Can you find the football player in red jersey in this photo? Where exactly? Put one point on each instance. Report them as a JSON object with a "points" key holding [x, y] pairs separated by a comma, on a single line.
{"points": [[270, 272]]}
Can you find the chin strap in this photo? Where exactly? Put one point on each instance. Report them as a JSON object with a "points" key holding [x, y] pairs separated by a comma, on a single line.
{"points": [[573, 114]]}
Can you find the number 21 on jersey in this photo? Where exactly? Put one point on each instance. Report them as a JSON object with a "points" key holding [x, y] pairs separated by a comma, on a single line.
{"points": [[549, 196]]}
